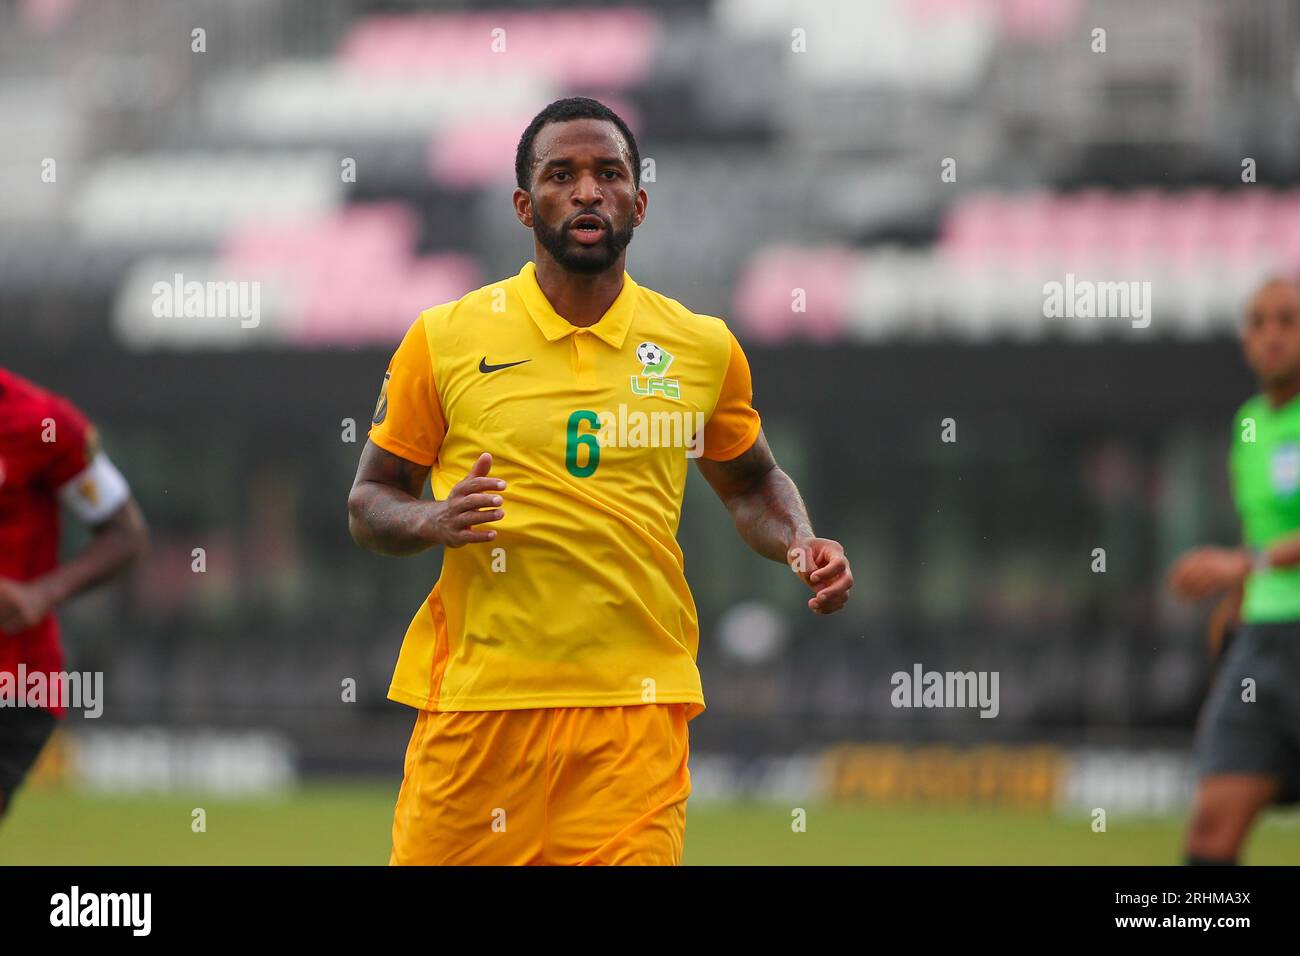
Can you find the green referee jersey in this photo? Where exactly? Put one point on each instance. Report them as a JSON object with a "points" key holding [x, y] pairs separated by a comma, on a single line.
{"points": [[1265, 468]]}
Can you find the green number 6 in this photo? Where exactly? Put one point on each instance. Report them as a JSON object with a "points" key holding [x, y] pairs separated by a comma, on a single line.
{"points": [[574, 441]]}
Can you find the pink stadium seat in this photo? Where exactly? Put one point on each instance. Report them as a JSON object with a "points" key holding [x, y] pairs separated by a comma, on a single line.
{"points": [[765, 293], [353, 277], [475, 152], [605, 48], [358, 236], [1038, 21], [1284, 218], [1135, 230], [1239, 236], [356, 308], [1201, 248], [1126, 231], [1033, 21], [43, 16], [1028, 229], [972, 231], [1191, 218]]}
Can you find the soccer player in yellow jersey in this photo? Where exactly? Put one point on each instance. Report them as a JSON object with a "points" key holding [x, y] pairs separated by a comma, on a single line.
{"points": [[554, 412]]}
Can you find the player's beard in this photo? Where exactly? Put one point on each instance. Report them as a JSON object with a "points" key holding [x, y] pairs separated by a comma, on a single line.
{"points": [[585, 260]]}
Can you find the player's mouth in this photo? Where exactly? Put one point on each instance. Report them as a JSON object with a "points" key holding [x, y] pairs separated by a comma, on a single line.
{"points": [[588, 230]]}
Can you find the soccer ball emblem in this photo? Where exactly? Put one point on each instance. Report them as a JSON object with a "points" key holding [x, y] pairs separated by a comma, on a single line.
{"points": [[649, 354]]}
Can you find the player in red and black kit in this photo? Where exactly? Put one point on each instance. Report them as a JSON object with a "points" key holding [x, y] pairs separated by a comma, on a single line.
{"points": [[49, 456]]}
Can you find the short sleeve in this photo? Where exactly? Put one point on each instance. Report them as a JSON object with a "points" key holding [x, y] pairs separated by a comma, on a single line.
{"points": [[71, 442], [408, 419], [734, 424]]}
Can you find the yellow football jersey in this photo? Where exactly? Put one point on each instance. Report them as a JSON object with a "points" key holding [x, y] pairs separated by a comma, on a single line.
{"points": [[581, 599]]}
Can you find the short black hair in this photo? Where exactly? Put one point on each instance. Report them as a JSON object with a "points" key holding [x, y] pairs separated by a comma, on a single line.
{"points": [[571, 108]]}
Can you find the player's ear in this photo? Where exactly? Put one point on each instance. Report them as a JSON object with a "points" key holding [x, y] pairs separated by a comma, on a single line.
{"points": [[523, 207]]}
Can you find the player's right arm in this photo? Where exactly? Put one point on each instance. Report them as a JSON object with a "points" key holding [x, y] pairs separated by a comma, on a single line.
{"points": [[386, 513], [1204, 571]]}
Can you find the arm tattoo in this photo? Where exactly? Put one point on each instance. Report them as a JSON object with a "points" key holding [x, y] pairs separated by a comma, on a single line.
{"points": [[763, 502], [382, 503]]}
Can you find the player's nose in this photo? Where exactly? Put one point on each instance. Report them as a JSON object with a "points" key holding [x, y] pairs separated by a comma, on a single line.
{"points": [[586, 190]]}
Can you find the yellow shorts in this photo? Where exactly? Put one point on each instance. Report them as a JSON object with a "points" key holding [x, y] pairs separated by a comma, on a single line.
{"points": [[551, 786]]}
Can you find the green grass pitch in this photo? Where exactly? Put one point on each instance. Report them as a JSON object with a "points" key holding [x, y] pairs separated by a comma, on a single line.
{"points": [[349, 824]]}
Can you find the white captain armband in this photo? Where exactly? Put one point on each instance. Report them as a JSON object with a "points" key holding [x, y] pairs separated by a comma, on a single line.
{"points": [[96, 493]]}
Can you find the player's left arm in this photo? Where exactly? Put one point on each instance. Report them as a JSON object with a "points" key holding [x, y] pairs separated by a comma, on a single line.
{"points": [[764, 503], [90, 486], [771, 517]]}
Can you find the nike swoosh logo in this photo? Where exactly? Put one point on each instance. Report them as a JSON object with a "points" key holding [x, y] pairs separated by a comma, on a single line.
{"points": [[483, 366]]}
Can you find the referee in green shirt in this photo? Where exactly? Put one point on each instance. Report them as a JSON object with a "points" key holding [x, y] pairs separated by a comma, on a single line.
{"points": [[1248, 733]]}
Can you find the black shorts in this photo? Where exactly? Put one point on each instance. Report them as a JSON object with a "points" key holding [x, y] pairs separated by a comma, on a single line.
{"points": [[23, 733], [1260, 736]]}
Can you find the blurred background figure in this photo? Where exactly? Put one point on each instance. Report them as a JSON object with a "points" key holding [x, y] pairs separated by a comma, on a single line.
{"points": [[987, 259], [1249, 756], [50, 457]]}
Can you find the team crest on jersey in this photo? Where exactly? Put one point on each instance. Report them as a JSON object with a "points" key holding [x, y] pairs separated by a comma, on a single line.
{"points": [[654, 362], [1285, 468]]}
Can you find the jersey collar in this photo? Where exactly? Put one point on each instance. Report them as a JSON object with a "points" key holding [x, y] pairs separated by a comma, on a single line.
{"points": [[612, 327]]}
